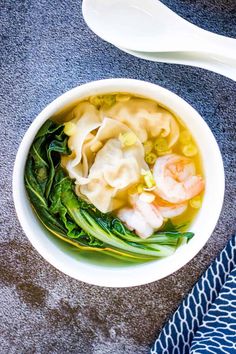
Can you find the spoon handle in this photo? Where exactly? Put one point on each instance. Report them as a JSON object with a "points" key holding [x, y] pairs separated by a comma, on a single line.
{"points": [[217, 63], [209, 61], [208, 42]]}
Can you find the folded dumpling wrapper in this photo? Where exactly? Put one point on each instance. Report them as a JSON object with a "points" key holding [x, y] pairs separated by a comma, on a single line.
{"points": [[146, 119], [114, 169], [103, 177], [86, 119]]}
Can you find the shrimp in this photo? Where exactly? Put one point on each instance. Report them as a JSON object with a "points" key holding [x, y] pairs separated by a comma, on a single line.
{"points": [[173, 210], [150, 213], [169, 210], [134, 220], [175, 179], [142, 217]]}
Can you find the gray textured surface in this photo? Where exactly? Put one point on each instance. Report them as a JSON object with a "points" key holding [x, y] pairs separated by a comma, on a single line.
{"points": [[46, 49]]}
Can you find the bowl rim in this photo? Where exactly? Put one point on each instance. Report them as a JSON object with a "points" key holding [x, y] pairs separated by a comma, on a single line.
{"points": [[108, 276]]}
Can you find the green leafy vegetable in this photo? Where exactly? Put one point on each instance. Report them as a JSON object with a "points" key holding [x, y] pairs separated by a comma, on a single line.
{"points": [[75, 221]]}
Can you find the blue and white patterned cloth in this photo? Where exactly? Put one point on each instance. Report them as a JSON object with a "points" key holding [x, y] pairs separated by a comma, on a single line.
{"points": [[205, 322]]}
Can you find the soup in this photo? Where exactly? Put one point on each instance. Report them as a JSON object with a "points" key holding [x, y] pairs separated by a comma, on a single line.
{"points": [[117, 174]]}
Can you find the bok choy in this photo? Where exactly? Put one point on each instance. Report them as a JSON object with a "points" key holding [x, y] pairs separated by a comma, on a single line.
{"points": [[72, 219]]}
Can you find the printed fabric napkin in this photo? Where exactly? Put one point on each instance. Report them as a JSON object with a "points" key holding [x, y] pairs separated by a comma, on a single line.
{"points": [[205, 322]]}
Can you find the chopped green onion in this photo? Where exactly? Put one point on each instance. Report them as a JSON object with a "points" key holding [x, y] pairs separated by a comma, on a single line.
{"points": [[189, 150], [122, 98], [165, 152], [128, 139], [69, 128], [148, 178], [196, 202], [184, 137], [151, 158], [109, 100], [160, 145], [96, 101]]}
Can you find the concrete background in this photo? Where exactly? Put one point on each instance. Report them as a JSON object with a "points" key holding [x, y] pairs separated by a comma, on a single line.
{"points": [[47, 49]]}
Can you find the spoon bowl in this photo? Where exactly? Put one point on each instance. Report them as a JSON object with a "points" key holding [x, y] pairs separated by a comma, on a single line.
{"points": [[150, 26]]}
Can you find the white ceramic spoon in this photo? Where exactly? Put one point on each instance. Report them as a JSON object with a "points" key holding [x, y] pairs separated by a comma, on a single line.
{"points": [[223, 66], [150, 26]]}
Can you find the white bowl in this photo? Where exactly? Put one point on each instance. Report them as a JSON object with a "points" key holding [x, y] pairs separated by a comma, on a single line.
{"points": [[70, 262]]}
